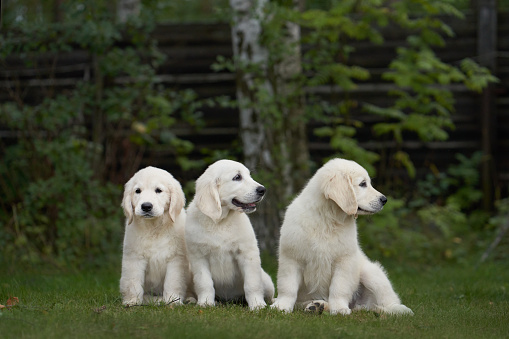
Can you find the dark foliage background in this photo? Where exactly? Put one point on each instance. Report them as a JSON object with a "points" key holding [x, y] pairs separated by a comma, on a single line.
{"points": [[70, 151]]}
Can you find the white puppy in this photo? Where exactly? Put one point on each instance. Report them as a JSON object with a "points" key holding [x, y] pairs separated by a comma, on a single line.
{"points": [[320, 262], [221, 244], [154, 262]]}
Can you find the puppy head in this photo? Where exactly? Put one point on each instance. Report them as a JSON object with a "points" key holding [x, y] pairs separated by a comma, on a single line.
{"points": [[349, 186], [150, 192], [227, 184]]}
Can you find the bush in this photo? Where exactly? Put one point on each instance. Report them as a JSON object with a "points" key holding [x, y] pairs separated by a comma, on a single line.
{"points": [[62, 176], [439, 221]]}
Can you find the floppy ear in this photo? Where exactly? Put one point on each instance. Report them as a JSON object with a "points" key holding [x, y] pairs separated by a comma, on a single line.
{"points": [[177, 200], [127, 204], [207, 198], [339, 188]]}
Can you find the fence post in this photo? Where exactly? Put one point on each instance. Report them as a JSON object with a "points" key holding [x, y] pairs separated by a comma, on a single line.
{"points": [[487, 51]]}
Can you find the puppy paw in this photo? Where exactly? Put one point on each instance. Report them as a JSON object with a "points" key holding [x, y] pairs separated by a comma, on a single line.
{"points": [[282, 306], [256, 305], [190, 300], [132, 292], [360, 308], [172, 299], [396, 309], [206, 303], [131, 301], [317, 306], [341, 311]]}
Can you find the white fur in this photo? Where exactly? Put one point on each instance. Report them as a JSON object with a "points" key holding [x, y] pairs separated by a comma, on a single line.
{"points": [[154, 262], [319, 254], [221, 244]]}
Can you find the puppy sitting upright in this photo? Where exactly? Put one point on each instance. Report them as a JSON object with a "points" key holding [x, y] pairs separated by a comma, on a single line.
{"points": [[320, 262], [221, 244], [154, 262]]}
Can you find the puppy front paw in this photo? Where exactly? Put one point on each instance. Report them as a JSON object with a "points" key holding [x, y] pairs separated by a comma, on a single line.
{"points": [[131, 301], [256, 304], [342, 311], [172, 298], [317, 306], [396, 309], [132, 292], [206, 302], [282, 305]]}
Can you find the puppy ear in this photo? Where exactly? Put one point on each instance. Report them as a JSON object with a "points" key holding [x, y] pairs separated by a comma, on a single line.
{"points": [[207, 197], [177, 200], [339, 188], [127, 204]]}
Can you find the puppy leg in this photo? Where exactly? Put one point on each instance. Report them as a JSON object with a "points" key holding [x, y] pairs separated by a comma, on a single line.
{"points": [[344, 283], [251, 270], [203, 283], [132, 279], [289, 278], [375, 280], [175, 282]]}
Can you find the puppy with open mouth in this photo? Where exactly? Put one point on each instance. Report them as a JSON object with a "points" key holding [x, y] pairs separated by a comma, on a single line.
{"points": [[221, 243]]}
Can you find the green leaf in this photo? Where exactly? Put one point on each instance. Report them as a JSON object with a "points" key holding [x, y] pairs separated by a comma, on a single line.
{"points": [[404, 159]]}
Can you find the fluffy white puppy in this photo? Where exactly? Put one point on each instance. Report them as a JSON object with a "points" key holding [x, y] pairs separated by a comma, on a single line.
{"points": [[221, 244], [154, 262], [321, 265]]}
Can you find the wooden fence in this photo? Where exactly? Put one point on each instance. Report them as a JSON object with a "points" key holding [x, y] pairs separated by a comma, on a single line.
{"points": [[191, 49]]}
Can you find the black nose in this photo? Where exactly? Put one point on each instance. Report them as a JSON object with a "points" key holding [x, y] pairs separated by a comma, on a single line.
{"points": [[260, 190], [146, 207], [383, 199]]}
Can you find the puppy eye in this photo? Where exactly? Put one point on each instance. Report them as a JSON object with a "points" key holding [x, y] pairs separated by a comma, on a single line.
{"points": [[363, 184], [158, 190], [238, 177], [138, 191]]}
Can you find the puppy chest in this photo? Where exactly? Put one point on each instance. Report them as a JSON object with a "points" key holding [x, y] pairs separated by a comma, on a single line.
{"points": [[161, 249], [322, 248], [224, 267]]}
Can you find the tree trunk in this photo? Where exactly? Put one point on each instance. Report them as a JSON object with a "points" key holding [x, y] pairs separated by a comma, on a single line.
{"points": [[273, 133]]}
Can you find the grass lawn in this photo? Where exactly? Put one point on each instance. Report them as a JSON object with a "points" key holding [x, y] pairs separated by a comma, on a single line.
{"points": [[448, 301]]}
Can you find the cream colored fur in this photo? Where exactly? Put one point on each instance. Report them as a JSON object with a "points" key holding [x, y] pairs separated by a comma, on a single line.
{"points": [[319, 255], [221, 244], [154, 262]]}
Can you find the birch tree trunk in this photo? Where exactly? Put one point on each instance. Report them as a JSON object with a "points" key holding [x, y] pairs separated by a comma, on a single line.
{"points": [[272, 131]]}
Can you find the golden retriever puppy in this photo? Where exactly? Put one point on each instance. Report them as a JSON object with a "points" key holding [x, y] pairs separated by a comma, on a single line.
{"points": [[154, 261], [221, 244], [321, 265]]}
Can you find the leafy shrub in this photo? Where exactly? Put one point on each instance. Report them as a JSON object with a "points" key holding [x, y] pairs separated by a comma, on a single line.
{"points": [[420, 103], [62, 176], [54, 206], [439, 221]]}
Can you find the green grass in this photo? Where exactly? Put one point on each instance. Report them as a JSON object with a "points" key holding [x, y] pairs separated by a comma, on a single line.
{"points": [[448, 301]]}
